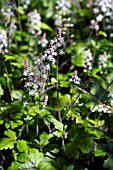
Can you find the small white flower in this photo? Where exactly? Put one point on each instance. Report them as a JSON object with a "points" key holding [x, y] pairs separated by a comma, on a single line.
{"points": [[102, 108], [25, 103], [61, 52], [102, 61], [96, 10], [99, 17], [27, 84], [110, 95], [47, 67], [31, 93], [111, 103]]}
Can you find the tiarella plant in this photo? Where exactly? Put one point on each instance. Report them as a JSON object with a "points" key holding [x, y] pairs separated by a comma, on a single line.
{"points": [[56, 85]]}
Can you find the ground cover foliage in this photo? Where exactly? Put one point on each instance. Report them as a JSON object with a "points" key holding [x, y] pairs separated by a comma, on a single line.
{"points": [[56, 85]]}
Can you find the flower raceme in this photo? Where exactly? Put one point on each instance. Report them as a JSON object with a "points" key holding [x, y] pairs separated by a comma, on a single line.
{"points": [[3, 42], [102, 63], [55, 48], [103, 12], [63, 8], [75, 78], [34, 20], [88, 61], [36, 77]]}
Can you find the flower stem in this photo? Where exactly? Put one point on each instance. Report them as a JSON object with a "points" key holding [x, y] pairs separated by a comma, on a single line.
{"points": [[57, 89]]}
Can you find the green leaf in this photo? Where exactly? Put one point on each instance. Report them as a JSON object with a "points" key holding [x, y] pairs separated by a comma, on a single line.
{"points": [[58, 134], [70, 167], [6, 143], [64, 83], [79, 60], [46, 166], [94, 131], [82, 140], [3, 81], [85, 144], [16, 94], [8, 57], [108, 163], [1, 90], [15, 123], [45, 3], [30, 160], [53, 81], [22, 146], [102, 33], [93, 43], [10, 134], [99, 152], [46, 27], [14, 166], [34, 110], [20, 9], [44, 138], [58, 125], [65, 100], [24, 47], [72, 150]]}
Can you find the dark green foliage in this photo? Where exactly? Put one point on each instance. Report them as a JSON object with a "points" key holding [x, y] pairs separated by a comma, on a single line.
{"points": [[73, 129]]}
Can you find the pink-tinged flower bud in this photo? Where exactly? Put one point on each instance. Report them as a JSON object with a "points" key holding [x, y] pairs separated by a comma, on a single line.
{"points": [[44, 36], [75, 78], [106, 129], [51, 47], [65, 135], [44, 41], [94, 146], [45, 101], [26, 64], [8, 19], [58, 33]]}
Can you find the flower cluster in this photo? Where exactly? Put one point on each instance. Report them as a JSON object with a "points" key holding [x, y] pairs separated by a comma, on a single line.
{"points": [[34, 20], [88, 61], [75, 78], [104, 6], [63, 8], [95, 26], [8, 12], [55, 48], [25, 3], [67, 26], [3, 42], [103, 9], [36, 77], [102, 62], [64, 19], [12, 30]]}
